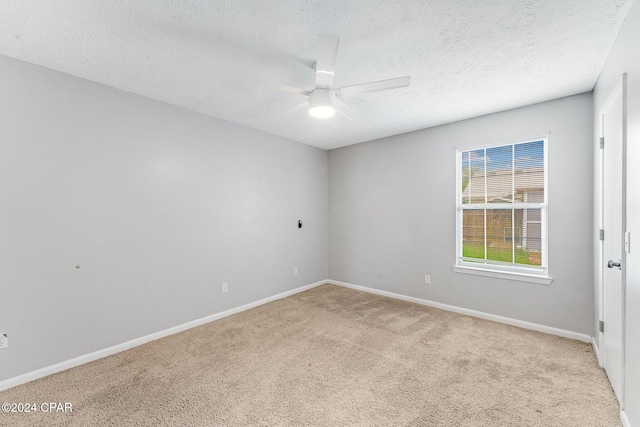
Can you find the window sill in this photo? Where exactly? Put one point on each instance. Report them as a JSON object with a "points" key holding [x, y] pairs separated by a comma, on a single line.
{"points": [[508, 275]]}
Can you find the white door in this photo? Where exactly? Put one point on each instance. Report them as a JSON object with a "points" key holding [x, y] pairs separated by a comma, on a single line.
{"points": [[612, 295]]}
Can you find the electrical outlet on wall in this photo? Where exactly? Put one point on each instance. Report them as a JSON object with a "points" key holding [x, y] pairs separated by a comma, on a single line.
{"points": [[295, 271], [427, 279], [225, 287], [4, 340]]}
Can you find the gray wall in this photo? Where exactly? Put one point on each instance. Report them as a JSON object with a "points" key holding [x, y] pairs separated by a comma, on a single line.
{"points": [[158, 205], [392, 215], [624, 58]]}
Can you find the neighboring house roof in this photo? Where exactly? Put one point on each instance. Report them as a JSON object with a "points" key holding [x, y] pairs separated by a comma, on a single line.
{"points": [[500, 185]]}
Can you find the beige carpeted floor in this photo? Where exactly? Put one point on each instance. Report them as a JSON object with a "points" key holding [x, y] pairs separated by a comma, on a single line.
{"points": [[333, 356]]}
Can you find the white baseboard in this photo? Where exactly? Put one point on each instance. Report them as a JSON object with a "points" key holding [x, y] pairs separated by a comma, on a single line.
{"points": [[624, 419], [81, 360], [596, 350], [473, 313], [58, 367]]}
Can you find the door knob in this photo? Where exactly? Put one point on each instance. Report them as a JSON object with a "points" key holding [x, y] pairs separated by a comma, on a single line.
{"points": [[612, 264]]}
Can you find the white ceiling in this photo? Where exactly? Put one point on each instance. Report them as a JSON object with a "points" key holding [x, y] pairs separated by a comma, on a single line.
{"points": [[222, 58]]}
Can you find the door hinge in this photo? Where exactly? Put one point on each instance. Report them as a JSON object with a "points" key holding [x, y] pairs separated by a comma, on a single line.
{"points": [[601, 234], [601, 326], [602, 142]]}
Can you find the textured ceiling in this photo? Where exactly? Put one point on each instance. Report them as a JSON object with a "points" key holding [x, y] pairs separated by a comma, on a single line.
{"points": [[225, 58]]}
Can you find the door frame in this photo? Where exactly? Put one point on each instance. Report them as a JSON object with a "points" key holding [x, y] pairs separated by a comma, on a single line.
{"points": [[620, 87]]}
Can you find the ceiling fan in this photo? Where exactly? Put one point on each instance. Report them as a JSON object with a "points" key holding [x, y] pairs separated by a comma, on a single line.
{"points": [[324, 101]]}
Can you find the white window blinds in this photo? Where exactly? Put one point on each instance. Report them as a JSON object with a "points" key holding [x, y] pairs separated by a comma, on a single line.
{"points": [[502, 205]]}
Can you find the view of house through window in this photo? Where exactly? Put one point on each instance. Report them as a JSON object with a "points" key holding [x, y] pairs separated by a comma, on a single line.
{"points": [[502, 205]]}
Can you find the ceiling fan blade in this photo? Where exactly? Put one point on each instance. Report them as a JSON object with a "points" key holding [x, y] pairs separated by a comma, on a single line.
{"points": [[373, 86], [326, 58], [298, 107], [346, 111], [290, 89]]}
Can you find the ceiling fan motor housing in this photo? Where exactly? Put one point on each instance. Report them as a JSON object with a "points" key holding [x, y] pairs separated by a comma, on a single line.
{"points": [[322, 102]]}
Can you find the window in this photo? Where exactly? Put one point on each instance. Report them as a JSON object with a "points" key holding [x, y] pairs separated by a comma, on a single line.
{"points": [[502, 209]]}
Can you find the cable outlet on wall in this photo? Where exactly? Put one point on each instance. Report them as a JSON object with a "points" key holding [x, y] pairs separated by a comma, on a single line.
{"points": [[225, 287], [427, 279], [295, 271], [4, 340]]}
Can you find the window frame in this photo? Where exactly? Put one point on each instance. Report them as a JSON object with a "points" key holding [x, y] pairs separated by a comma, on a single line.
{"points": [[522, 272]]}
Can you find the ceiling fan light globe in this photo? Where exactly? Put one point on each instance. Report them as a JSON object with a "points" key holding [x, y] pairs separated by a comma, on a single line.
{"points": [[322, 111]]}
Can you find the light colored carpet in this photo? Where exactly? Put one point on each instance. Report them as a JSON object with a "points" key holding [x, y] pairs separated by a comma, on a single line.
{"points": [[333, 356]]}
